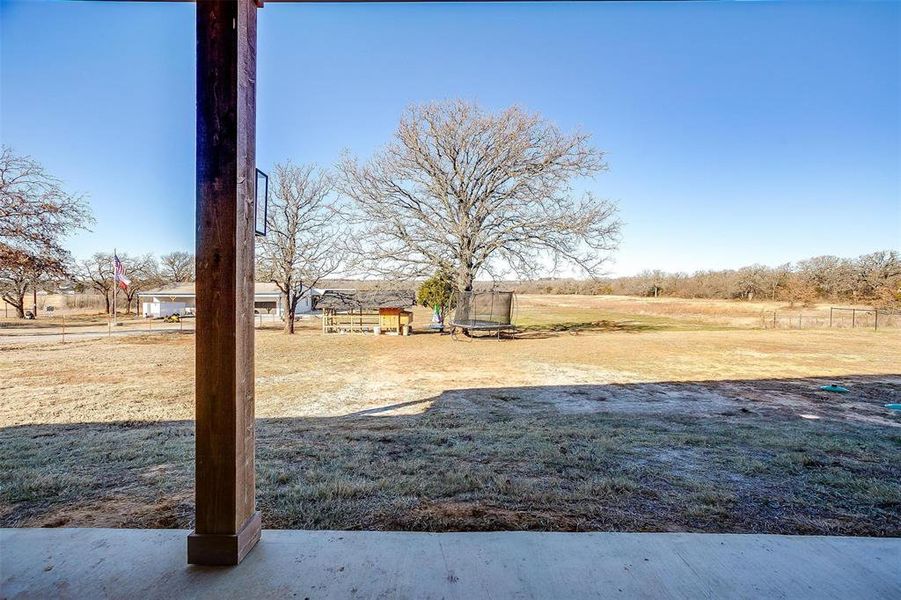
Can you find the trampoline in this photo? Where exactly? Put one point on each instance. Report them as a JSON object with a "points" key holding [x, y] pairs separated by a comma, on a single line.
{"points": [[484, 312]]}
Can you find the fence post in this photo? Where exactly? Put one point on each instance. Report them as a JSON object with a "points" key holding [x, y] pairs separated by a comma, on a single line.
{"points": [[799, 321], [831, 308], [109, 327], [64, 329], [774, 319], [876, 319], [853, 318]]}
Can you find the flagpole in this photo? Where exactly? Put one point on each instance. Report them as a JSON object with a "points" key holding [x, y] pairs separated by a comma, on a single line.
{"points": [[115, 285]]}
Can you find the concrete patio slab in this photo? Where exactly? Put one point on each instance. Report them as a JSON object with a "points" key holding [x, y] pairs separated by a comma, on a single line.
{"points": [[121, 563]]}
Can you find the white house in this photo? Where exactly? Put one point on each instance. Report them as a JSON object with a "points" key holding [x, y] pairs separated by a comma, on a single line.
{"points": [[180, 298]]}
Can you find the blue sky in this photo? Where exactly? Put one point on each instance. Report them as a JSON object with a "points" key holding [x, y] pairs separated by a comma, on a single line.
{"points": [[736, 133]]}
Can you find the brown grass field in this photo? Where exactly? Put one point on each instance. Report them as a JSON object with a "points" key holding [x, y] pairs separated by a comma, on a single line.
{"points": [[605, 413]]}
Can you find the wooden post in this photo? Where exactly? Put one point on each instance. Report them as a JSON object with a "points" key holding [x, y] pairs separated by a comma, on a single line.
{"points": [[227, 524]]}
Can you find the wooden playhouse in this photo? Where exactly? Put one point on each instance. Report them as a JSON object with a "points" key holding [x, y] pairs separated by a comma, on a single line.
{"points": [[382, 312]]}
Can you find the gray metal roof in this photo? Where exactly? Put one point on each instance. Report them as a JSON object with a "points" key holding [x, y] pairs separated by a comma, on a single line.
{"points": [[368, 300], [187, 289]]}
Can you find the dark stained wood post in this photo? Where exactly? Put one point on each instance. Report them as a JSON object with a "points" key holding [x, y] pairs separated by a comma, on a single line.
{"points": [[227, 523]]}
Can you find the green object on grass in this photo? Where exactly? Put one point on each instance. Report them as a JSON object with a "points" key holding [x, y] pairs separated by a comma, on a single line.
{"points": [[893, 406], [834, 388]]}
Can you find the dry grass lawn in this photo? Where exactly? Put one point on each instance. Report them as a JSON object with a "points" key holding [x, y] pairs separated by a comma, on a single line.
{"points": [[606, 414]]}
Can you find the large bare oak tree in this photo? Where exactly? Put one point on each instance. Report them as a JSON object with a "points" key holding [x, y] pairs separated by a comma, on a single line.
{"points": [[470, 192], [305, 241]]}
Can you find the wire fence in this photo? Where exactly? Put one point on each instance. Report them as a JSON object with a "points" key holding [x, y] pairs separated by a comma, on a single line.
{"points": [[62, 328], [838, 317], [70, 328]]}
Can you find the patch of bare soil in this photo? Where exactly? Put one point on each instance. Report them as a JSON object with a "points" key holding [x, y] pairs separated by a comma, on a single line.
{"points": [[795, 398]]}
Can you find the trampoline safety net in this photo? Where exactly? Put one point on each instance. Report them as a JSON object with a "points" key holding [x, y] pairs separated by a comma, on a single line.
{"points": [[484, 310]]}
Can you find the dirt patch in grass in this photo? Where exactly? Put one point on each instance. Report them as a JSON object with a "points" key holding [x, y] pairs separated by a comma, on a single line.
{"points": [[472, 462]]}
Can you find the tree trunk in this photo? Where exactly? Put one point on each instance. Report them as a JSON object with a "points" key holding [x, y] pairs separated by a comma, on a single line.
{"points": [[17, 301], [465, 278], [20, 305], [289, 313], [108, 306]]}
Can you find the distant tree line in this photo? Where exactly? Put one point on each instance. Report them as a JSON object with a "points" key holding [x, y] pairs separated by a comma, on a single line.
{"points": [[873, 278]]}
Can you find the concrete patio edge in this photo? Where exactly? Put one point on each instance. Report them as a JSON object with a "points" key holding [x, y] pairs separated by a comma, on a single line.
{"points": [[148, 563]]}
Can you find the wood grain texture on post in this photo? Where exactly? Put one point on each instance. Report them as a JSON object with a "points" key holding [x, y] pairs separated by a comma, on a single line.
{"points": [[227, 523]]}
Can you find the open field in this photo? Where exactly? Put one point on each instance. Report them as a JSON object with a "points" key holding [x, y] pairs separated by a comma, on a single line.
{"points": [[606, 414], [533, 313]]}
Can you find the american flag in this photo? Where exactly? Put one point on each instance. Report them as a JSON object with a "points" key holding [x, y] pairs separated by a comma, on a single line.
{"points": [[121, 279]]}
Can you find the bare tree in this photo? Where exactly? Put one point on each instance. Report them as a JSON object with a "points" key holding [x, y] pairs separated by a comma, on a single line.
{"points": [[16, 273], [879, 276], [776, 279], [20, 270], [751, 281], [305, 241], [143, 273], [470, 192], [35, 215], [177, 267], [35, 211], [830, 276], [96, 273]]}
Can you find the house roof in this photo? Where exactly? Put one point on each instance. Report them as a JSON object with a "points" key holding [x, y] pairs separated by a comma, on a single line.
{"points": [[187, 289], [338, 300]]}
